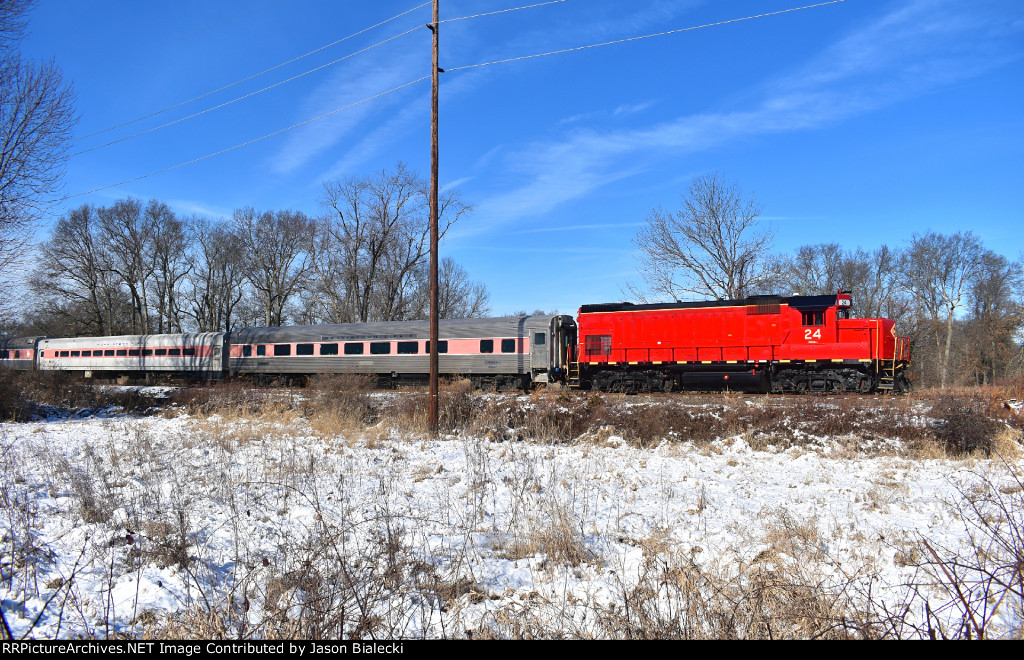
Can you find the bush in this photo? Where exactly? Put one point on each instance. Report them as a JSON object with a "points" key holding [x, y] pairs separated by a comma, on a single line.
{"points": [[345, 399], [22, 393], [969, 421]]}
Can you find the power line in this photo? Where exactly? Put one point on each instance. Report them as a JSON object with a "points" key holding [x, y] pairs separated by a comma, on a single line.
{"points": [[283, 130], [243, 97], [255, 75], [248, 142], [282, 82], [413, 82], [646, 36], [503, 11]]}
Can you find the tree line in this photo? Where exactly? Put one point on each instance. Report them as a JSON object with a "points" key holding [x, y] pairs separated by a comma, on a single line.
{"points": [[140, 268], [960, 302]]}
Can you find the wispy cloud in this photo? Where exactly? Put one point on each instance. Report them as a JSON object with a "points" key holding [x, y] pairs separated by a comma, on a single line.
{"points": [[911, 51], [388, 120], [557, 228], [631, 109], [351, 84], [191, 207]]}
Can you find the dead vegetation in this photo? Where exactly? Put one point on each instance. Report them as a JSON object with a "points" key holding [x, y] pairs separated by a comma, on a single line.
{"points": [[37, 394], [326, 543], [950, 422]]}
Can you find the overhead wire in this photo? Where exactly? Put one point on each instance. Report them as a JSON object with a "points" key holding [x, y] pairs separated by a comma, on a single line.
{"points": [[282, 82], [243, 97], [253, 76], [248, 142], [646, 36], [469, 66], [283, 130], [503, 11]]}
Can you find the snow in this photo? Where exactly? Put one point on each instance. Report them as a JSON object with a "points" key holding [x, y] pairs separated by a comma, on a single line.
{"points": [[416, 537]]}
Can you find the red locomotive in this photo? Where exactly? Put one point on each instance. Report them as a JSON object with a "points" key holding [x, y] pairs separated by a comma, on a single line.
{"points": [[761, 343]]}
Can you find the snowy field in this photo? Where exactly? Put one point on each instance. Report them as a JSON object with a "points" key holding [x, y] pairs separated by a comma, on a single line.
{"points": [[175, 525]]}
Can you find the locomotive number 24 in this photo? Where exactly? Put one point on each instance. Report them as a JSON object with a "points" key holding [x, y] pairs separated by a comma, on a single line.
{"points": [[812, 334]]}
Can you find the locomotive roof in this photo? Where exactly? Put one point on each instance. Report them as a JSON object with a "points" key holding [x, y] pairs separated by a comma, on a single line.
{"points": [[796, 302]]}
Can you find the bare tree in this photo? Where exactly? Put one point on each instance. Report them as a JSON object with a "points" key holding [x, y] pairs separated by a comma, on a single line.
{"points": [[872, 276], [458, 296], [825, 268], [996, 316], [374, 243], [36, 119], [939, 272], [126, 234], [216, 276], [814, 270], [713, 246], [168, 251], [276, 255], [72, 285]]}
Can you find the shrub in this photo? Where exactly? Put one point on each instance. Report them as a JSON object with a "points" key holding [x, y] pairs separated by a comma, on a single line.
{"points": [[967, 422]]}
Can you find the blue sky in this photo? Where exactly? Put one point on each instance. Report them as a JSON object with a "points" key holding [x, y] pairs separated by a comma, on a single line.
{"points": [[859, 122]]}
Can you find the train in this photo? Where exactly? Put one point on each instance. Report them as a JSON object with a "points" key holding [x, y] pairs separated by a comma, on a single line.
{"points": [[768, 344]]}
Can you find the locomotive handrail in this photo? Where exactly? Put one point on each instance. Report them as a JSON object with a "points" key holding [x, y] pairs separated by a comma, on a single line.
{"points": [[901, 351]]}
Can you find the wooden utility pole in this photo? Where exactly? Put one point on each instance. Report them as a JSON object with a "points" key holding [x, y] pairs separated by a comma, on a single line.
{"points": [[432, 412]]}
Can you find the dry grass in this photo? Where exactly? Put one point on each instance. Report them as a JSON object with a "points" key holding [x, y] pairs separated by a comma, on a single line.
{"points": [[554, 534], [972, 595], [24, 395], [353, 568]]}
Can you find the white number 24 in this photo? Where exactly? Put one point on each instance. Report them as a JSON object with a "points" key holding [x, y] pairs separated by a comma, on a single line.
{"points": [[812, 334]]}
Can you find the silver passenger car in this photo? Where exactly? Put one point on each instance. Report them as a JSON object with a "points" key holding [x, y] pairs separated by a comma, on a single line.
{"points": [[18, 353], [200, 355], [498, 352]]}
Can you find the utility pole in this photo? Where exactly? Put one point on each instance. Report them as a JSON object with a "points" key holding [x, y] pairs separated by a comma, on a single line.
{"points": [[434, 332]]}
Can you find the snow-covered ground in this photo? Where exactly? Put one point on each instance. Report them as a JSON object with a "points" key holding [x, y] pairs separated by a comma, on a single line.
{"points": [[179, 526]]}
